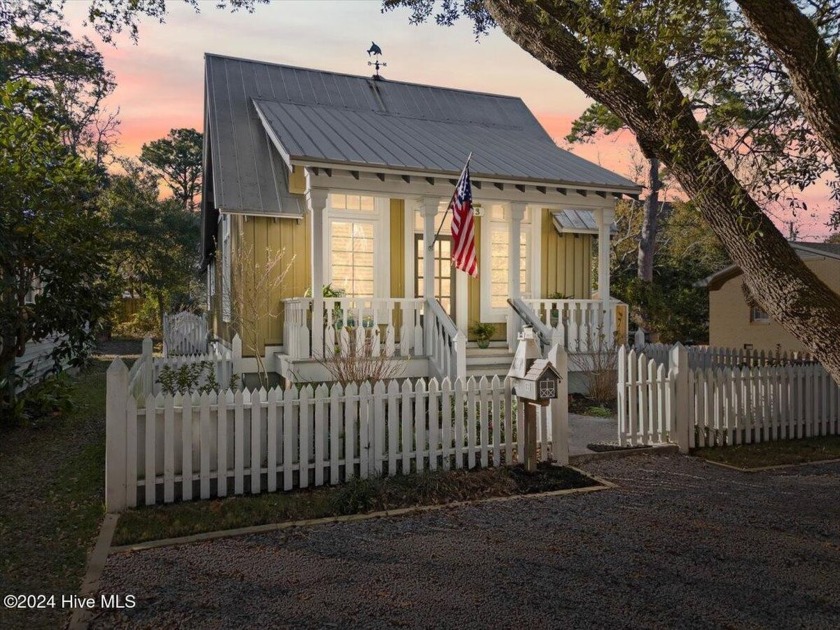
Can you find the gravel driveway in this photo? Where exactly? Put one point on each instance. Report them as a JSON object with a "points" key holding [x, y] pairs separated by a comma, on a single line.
{"points": [[679, 544]]}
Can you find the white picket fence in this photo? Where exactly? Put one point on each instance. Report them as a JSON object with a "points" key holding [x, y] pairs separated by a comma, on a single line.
{"points": [[184, 333], [169, 448], [225, 366], [693, 407]]}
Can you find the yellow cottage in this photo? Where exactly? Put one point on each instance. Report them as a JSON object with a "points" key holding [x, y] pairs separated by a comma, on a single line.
{"points": [[350, 177]]}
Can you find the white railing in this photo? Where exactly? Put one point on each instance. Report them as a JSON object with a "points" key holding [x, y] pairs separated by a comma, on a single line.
{"points": [[447, 346], [389, 326], [184, 334], [577, 325], [179, 447], [703, 406], [222, 364]]}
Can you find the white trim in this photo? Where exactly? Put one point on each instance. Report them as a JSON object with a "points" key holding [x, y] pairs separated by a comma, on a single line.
{"points": [[535, 255]]}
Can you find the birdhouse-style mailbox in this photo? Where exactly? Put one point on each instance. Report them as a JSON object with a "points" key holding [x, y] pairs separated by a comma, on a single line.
{"points": [[533, 379]]}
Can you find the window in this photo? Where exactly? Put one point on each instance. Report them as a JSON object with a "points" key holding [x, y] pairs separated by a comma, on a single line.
{"points": [[226, 275], [356, 230], [352, 260], [758, 315], [357, 203], [496, 261]]}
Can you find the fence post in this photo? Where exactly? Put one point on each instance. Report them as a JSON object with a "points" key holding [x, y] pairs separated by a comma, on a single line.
{"points": [[116, 398], [166, 334], [679, 364], [236, 355], [148, 367], [559, 407], [460, 343]]}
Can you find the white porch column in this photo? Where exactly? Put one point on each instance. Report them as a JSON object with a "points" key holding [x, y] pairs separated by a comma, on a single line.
{"points": [[428, 207], [516, 212], [316, 203], [604, 218]]}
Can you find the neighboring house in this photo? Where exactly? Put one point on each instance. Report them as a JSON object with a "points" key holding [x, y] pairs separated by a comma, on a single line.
{"points": [[351, 178], [733, 323]]}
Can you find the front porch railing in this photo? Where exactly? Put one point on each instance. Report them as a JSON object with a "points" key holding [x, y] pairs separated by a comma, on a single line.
{"points": [[579, 325], [389, 326], [447, 346]]}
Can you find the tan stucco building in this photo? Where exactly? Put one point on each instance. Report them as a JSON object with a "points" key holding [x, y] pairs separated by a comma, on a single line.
{"points": [[733, 323]]}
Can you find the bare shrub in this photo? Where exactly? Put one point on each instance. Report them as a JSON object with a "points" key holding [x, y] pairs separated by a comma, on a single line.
{"points": [[599, 367], [350, 365]]}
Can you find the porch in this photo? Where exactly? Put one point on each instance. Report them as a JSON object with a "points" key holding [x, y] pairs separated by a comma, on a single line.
{"points": [[419, 334]]}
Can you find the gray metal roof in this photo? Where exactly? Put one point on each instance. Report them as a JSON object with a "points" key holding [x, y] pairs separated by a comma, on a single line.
{"points": [[325, 117], [577, 222]]}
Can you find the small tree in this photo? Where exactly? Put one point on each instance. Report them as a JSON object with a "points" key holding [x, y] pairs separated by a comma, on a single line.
{"points": [[349, 365], [253, 298]]}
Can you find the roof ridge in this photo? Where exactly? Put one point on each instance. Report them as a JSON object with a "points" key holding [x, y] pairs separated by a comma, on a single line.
{"points": [[361, 76]]}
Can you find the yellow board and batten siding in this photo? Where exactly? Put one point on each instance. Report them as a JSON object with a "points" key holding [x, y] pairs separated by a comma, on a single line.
{"points": [[566, 262]]}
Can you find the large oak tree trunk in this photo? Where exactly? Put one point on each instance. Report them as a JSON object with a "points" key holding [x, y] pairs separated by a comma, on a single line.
{"points": [[665, 126]]}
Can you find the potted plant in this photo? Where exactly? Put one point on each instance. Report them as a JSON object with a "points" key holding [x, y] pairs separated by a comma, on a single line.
{"points": [[482, 333]]}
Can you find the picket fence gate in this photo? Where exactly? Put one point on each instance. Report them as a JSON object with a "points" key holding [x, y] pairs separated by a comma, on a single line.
{"points": [[167, 448], [184, 333], [673, 401]]}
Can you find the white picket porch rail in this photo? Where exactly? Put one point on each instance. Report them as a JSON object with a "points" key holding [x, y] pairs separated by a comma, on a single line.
{"points": [[389, 326], [721, 406], [578, 325], [184, 333]]}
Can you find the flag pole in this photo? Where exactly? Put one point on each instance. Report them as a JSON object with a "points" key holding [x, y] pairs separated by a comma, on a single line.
{"points": [[451, 199]]}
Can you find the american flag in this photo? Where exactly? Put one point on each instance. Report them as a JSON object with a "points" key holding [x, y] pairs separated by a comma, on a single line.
{"points": [[463, 226]]}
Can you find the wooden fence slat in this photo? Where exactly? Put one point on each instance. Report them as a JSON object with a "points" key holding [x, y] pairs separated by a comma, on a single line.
{"points": [[632, 399], [305, 442], [434, 424], [459, 423], [204, 445], [484, 419], [446, 402], [131, 452], [256, 438], [393, 426], [271, 440], [406, 426], [335, 431], [520, 432], [290, 417], [351, 393], [169, 448], [419, 424], [150, 473], [365, 428], [320, 419], [238, 443], [496, 427], [471, 421], [378, 445], [225, 402]]}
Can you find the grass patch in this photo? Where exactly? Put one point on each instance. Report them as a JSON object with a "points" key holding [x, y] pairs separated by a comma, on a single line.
{"points": [[357, 496], [51, 488], [783, 452]]}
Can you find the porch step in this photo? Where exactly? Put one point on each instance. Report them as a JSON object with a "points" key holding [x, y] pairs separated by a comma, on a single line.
{"points": [[488, 352], [489, 370]]}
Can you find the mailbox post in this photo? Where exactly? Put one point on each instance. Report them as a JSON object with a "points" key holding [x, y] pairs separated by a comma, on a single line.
{"points": [[535, 383]]}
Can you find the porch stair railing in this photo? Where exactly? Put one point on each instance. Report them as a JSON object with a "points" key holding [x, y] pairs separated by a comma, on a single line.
{"points": [[524, 314], [446, 346], [578, 325]]}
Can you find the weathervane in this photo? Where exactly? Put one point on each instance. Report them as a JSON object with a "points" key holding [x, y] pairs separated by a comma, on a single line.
{"points": [[376, 51]]}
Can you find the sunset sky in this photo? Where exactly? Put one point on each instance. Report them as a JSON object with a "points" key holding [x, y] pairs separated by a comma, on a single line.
{"points": [[160, 78]]}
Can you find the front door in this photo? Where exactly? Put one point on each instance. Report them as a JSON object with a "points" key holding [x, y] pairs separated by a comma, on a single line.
{"points": [[444, 282]]}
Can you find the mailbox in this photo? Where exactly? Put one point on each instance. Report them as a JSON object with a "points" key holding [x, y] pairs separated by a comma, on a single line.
{"points": [[534, 381]]}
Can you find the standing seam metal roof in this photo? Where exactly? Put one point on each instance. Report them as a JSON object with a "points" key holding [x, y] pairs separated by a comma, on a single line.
{"points": [[324, 117]]}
